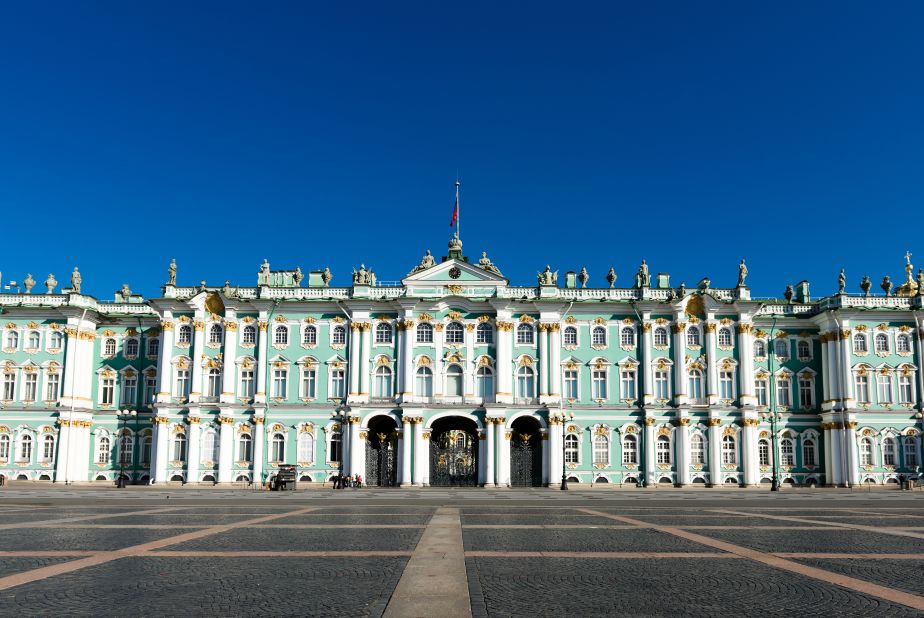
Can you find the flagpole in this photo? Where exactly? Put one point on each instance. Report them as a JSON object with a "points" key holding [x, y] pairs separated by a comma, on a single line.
{"points": [[457, 210]]}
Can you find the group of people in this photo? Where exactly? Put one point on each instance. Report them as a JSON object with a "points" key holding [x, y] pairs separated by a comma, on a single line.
{"points": [[353, 480]]}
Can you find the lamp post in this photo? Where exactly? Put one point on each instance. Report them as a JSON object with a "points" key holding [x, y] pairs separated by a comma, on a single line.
{"points": [[124, 415], [342, 411], [564, 473], [773, 417]]}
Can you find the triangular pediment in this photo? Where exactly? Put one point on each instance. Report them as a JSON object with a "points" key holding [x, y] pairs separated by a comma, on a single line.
{"points": [[455, 271]]}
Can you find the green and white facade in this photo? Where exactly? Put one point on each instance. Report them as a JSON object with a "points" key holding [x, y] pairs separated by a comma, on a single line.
{"points": [[454, 376]]}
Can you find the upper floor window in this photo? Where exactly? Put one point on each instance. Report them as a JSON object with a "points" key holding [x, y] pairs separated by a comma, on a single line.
{"points": [[109, 347], [12, 339], [660, 336], [184, 334], [782, 391], [571, 384], [57, 340], [781, 348], [424, 382], [903, 344], [381, 384], [696, 384], [693, 336], [526, 383], [338, 337], [882, 343], [627, 337], [570, 337], [215, 333], [310, 335], [862, 388], [524, 334], [760, 349], [859, 343], [454, 381], [131, 348], [726, 385], [455, 333], [35, 340], [484, 333], [382, 333], [725, 337], [249, 335], [905, 388], [598, 336], [598, 383], [806, 395], [281, 335], [627, 384], [424, 333], [484, 382], [804, 350]]}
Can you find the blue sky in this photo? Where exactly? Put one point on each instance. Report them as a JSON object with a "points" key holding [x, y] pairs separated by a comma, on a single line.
{"points": [[329, 134]]}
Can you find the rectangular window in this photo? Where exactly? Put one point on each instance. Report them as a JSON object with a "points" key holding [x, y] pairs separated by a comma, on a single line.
{"points": [[247, 383], [808, 453], [9, 386], [787, 454], [337, 384], [760, 390], [905, 390], [30, 390], [129, 391], [153, 347], [52, 386], [309, 380], [782, 392], [107, 391], [279, 383], [627, 379], [182, 383], [911, 453], [884, 388], [571, 384], [726, 385], [862, 388], [806, 399], [662, 385], [150, 390], [598, 381]]}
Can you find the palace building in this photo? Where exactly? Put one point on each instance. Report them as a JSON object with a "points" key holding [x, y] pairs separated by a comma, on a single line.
{"points": [[455, 377]]}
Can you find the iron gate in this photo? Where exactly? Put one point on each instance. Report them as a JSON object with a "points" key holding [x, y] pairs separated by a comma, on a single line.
{"points": [[382, 460], [525, 460], [453, 459]]}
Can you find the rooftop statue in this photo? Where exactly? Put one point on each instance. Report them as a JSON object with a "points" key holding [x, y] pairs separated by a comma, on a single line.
{"points": [[298, 276], [263, 277], [51, 283], [547, 277], [611, 276], [683, 289], [704, 283], [125, 292], [75, 280], [326, 276], [28, 283], [789, 293], [742, 274], [841, 282], [921, 282], [643, 279], [583, 276], [363, 276], [886, 285], [171, 273], [487, 265], [865, 285], [426, 262]]}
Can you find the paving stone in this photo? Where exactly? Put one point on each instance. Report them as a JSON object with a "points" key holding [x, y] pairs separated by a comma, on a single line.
{"points": [[77, 538], [537, 519], [826, 540], [327, 519], [901, 574], [577, 540], [14, 564], [310, 539], [697, 520]]}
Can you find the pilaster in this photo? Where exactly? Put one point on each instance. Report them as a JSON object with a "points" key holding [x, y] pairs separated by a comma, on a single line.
{"points": [[228, 365], [193, 447], [262, 360], [226, 446], [715, 451], [198, 347]]}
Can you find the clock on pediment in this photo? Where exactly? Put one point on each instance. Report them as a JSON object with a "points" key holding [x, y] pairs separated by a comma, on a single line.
{"points": [[455, 272]]}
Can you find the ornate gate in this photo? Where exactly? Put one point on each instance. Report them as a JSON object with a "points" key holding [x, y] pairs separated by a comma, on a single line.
{"points": [[382, 459], [453, 459], [525, 460]]}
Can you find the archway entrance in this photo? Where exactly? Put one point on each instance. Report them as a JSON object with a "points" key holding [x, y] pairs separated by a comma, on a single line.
{"points": [[526, 453], [454, 453], [382, 453]]}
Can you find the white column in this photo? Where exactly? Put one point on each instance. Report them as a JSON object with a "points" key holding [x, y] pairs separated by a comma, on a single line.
{"points": [[834, 376], [830, 472], [850, 399], [712, 387], [425, 453], [62, 465], [543, 362], [680, 369], [355, 369], [364, 353], [83, 463], [482, 457], [650, 446], [228, 365], [194, 439], [355, 446], [544, 441], [746, 369], [226, 447], [359, 454], [437, 358], [504, 362], [164, 366], [645, 359], [259, 438], [471, 364], [420, 458], [198, 347], [490, 434], [407, 364], [715, 451], [70, 367], [555, 438], [825, 375], [919, 337], [262, 359], [749, 451], [554, 362], [683, 452], [853, 474], [407, 438], [503, 454], [836, 446], [161, 437]]}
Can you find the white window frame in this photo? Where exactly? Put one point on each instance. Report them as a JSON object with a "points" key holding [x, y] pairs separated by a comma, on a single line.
{"points": [[484, 334], [454, 333], [525, 335], [384, 334], [565, 334], [424, 333]]}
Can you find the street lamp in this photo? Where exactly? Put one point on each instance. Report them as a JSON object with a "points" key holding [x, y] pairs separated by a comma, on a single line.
{"points": [[564, 473], [773, 417], [124, 415], [341, 413]]}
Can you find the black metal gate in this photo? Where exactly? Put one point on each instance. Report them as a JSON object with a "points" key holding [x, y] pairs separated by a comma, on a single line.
{"points": [[525, 460], [382, 460], [453, 459]]}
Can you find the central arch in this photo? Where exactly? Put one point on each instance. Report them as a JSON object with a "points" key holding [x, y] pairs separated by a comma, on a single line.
{"points": [[454, 452], [382, 452]]}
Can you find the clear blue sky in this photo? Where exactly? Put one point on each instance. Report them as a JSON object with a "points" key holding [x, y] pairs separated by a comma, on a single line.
{"points": [[312, 134]]}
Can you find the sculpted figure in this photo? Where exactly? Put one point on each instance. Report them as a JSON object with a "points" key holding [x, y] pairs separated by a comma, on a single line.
{"points": [[487, 264], [171, 273], [643, 276], [126, 292], [742, 273], [263, 278], [75, 280], [841, 282], [426, 262]]}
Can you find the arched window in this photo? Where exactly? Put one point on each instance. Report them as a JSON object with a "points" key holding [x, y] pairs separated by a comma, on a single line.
{"points": [[424, 333], [209, 452], [696, 384], [35, 340], [131, 348], [4, 447], [663, 450], [57, 340], [215, 333], [424, 382], [763, 452], [484, 333], [103, 450], [381, 386], [629, 450], [903, 344], [338, 336], [455, 333], [305, 447], [804, 350], [729, 450], [781, 348], [310, 335], [627, 337], [334, 450], [48, 448], [601, 450], [146, 442], [866, 452], [214, 382], [725, 337], [693, 336], [882, 343], [598, 336], [484, 383], [25, 448], [184, 334], [526, 383], [453, 381], [109, 347], [179, 447], [909, 446], [12, 339], [660, 337], [570, 336], [524, 334], [808, 452], [383, 332], [281, 335], [571, 448], [760, 348], [249, 335], [126, 449], [859, 343], [697, 449], [787, 452], [888, 452], [244, 447], [278, 448]]}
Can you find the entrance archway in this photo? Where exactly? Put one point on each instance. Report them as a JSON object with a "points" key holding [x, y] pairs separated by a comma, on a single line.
{"points": [[382, 452], [526, 453], [454, 452]]}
